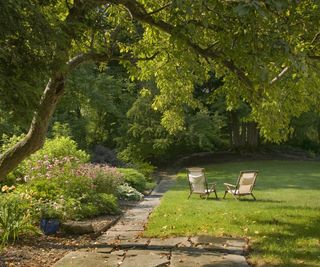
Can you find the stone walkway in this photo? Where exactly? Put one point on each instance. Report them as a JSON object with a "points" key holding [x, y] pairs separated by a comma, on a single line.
{"points": [[123, 246]]}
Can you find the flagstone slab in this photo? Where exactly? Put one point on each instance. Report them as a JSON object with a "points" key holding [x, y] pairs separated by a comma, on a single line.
{"points": [[167, 242], [194, 257], [145, 258], [85, 259], [133, 243]]}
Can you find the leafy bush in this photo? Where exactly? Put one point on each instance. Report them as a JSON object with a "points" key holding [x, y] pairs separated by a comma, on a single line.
{"points": [[107, 182], [60, 147], [78, 187], [42, 189], [51, 209], [55, 153], [7, 142], [97, 204], [86, 210], [134, 178], [70, 190], [150, 185], [104, 155], [15, 217], [127, 192], [145, 168], [106, 203]]}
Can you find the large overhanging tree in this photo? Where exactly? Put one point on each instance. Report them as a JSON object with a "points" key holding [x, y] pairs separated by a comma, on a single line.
{"points": [[267, 53]]}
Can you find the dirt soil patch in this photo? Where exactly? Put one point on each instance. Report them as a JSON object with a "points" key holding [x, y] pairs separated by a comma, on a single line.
{"points": [[46, 250]]}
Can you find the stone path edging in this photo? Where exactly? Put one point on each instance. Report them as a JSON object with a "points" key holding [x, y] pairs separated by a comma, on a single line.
{"points": [[123, 246]]}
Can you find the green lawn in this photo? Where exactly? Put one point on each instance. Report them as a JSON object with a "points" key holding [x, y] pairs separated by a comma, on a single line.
{"points": [[283, 225]]}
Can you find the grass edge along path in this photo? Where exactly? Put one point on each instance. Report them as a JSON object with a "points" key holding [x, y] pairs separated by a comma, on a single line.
{"points": [[282, 226]]}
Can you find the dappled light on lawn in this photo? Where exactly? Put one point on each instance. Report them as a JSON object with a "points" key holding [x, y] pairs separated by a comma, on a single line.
{"points": [[282, 225]]}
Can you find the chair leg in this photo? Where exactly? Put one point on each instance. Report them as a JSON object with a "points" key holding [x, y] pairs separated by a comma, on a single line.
{"points": [[190, 195], [215, 192], [253, 196], [225, 192], [235, 197]]}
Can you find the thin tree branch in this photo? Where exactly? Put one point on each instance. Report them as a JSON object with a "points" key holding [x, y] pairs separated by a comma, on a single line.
{"points": [[160, 9], [67, 4], [280, 75], [102, 57], [315, 38], [314, 57]]}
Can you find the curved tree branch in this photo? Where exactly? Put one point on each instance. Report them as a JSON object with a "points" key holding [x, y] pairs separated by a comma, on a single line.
{"points": [[139, 13]]}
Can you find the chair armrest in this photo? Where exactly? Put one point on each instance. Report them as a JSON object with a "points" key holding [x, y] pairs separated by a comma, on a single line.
{"points": [[212, 185], [229, 185]]}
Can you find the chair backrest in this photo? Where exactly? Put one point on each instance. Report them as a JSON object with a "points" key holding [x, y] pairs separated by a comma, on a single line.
{"points": [[246, 181], [197, 179]]}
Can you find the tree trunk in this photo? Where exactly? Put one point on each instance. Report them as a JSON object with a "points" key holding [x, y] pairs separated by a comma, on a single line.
{"points": [[243, 135], [235, 129], [35, 138], [252, 135]]}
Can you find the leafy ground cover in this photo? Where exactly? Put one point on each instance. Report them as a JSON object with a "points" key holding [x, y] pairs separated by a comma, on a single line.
{"points": [[282, 226]]}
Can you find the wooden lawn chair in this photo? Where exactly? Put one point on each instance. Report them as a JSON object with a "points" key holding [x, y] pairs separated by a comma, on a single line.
{"points": [[198, 183], [245, 184]]}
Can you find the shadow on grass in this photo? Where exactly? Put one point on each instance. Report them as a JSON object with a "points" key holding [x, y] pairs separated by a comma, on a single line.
{"points": [[292, 233]]}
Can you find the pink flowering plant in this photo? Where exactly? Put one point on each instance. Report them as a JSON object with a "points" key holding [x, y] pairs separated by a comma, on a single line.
{"points": [[54, 151], [86, 190], [49, 168]]}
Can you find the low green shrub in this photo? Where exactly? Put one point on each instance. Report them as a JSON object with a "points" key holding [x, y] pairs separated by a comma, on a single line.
{"points": [[97, 204], [134, 178], [106, 203], [42, 189], [150, 185], [51, 209], [60, 147], [15, 217], [145, 168], [86, 210], [127, 192], [107, 181], [78, 187]]}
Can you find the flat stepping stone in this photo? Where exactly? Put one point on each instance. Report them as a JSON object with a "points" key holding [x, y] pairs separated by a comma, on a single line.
{"points": [[85, 259], [121, 234], [223, 244], [129, 227], [133, 243], [145, 258], [167, 243], [192, 257]]}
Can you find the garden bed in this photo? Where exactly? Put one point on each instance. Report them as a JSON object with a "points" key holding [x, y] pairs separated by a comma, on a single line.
{"points": [[46, 250]]}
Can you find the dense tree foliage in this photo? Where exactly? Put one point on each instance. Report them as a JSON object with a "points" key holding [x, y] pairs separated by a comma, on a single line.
{"points": [[266, 53]]}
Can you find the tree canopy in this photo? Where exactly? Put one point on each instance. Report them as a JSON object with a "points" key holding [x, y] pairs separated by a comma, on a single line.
{"points": [[266, 54]]}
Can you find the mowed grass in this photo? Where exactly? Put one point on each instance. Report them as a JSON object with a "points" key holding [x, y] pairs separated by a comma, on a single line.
{"points": [[283, 225]]}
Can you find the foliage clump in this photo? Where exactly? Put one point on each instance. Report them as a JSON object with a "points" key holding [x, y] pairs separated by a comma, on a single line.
{"points": [[134, 178], [59, 184], [127, 192]]}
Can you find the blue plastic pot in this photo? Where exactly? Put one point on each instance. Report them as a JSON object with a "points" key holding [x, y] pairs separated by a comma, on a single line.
{"points": [[49, 226]]}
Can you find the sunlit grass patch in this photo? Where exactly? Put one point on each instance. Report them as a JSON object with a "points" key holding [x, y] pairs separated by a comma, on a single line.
{"points": [[283, 225]]}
